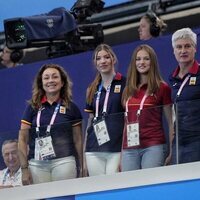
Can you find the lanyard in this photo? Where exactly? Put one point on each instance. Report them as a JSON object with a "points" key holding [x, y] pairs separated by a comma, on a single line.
{"points": [[141, 105], [105, 105], [182, 85], [51, 121]]}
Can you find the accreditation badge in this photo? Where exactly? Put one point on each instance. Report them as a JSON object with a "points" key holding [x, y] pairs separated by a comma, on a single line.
{"points": [[192, 81], [101, 132], [117, 89], [62, 110], [45, 147], [133, 138]]}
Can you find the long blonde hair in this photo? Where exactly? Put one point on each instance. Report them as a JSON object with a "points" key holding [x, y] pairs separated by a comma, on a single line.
{"points": [[133, 79], [93, 86], [38, 92]]}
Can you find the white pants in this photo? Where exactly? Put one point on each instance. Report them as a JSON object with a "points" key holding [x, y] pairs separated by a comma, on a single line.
{"points": [[99, 163], [53, 170]]}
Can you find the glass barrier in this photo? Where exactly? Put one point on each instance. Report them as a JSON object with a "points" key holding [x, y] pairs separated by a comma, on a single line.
{"points": [[103, 139], [156, 136], [47, 153], [110, 144], [145, 142], [187, 127]]}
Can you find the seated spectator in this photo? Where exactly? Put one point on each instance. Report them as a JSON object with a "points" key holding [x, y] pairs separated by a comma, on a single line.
{"points": [[11, 175], [151, 26], [11, 57]]}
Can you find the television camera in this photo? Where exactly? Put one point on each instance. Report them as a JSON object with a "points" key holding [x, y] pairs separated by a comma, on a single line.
{"points": [[63, 32]]}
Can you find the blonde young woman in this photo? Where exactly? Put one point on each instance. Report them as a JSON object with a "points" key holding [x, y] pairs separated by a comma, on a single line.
{"points": [[51, 125], [146, 97], [105, 124]]}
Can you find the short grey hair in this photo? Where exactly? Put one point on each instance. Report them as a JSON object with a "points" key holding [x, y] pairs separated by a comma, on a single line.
{"points": [[8, 142], [184, 33]]}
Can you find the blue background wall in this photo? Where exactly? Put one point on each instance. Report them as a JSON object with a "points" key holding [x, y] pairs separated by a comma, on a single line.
{"points": [[16, 83]]}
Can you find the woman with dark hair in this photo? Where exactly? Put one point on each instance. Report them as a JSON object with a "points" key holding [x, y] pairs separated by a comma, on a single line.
{"points": [[51, 124]]}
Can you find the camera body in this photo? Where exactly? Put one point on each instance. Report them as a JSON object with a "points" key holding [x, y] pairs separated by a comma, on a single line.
{"points": [[62, 31], [24, 32]]}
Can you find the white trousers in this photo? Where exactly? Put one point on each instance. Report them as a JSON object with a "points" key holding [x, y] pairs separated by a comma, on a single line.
{"points": [[99, 163], [53, 170]]}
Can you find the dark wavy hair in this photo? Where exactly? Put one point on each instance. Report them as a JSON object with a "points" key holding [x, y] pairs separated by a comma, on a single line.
{"points": [[38, 92]]}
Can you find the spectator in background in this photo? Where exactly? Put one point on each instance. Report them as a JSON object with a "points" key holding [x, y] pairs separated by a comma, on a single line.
{"points": [[106, 114], [146, 98], [10, 176], [151, 26], [11, 57], [51, 125], [185, 84]]}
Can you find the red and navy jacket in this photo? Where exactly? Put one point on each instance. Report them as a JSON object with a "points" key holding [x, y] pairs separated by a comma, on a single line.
{"points": [[187, 104], [114, 117]]}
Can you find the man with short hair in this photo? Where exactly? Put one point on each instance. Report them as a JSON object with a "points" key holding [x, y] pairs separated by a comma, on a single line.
{"points": [[10, 176], [185, 84]]}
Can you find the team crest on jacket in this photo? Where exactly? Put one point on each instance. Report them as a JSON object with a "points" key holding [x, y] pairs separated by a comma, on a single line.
{"points": [[62, 109], [192, 81], [117, 89]]}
